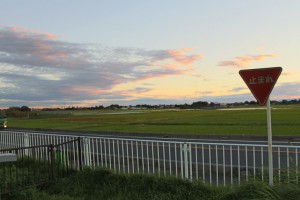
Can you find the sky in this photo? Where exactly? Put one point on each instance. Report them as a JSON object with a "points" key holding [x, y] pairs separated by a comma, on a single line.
{"points": [[88, 53]]}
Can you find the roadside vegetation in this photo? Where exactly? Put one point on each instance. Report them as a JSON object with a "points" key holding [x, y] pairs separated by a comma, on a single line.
{"points": [[103, 184], [242, 120]]}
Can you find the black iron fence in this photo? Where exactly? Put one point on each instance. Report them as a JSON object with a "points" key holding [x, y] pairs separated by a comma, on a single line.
{"points": [[37, 165]]}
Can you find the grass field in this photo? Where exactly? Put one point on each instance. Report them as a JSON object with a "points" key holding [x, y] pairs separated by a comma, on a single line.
{"points": [[250, 121]]}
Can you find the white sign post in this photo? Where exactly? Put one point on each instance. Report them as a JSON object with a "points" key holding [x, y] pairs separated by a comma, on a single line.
{"points": [[261, 82], [270, 148]]}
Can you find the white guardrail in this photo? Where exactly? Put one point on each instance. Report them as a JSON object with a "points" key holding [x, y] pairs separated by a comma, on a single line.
{"points": [[215, 163]]}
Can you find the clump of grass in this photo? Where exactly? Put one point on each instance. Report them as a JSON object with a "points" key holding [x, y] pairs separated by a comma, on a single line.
{"points": [[251, 190], [35, 194], [104, 184], [263, 191]]}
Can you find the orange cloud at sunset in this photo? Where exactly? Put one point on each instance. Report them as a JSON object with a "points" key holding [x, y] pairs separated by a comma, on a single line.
{"points": [[27, 31], [244, 61], [181, 57], [82, 90]]}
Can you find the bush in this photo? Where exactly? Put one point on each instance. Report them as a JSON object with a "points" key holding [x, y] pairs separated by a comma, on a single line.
{"points": [[104, 184]]}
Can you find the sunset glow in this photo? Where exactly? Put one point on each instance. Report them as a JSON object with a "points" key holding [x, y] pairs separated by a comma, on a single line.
{"points": [[172, 52]]}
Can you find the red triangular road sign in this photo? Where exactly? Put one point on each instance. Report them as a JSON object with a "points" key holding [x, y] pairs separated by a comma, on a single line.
{"points": [[261, 81]]}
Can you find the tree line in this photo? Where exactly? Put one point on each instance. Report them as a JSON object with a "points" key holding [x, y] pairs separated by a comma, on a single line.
{"points": [[22, 110]]}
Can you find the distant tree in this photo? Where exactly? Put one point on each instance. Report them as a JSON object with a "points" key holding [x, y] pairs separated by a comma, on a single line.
{"points": [[294, 101], [184, 106], [252, 102], [25, 109], [284, 101], [15, 112], [113, 106], [246, 102], [199, 104]]}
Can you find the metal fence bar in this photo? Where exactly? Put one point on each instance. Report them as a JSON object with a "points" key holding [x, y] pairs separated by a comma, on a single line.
{"points": [[30, 167], [296, 155], [203, 164], [288, 164], [231, 167], [127, 155], [164, 159], [235, 162], [101, 153], [94, 155], [181, 160], [152, 152], [123, 156], [224, 166], [191, 161], [239, 165], [109, 155], [97, 153], [279, 178], [209, 157], [186, 160], [196, 160], [176, 163], [132, 156], [143, 158], [158, 161], [217, 166], [254, 162], [105, 154], [118, 149], [262, 164], [148, 157], [246, 157], [170, 160], [137, 157], [114, 157]]}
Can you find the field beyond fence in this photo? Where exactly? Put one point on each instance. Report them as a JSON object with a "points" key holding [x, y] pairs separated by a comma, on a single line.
{"points": [[234, 121]]}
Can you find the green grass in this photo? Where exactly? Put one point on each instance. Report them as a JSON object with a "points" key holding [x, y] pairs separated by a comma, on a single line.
{"points": [[103, 184], [285, 121]]}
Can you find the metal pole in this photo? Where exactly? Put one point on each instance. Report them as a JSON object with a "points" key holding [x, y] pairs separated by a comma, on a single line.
{"points": [[79, 153], [185, 149], [270, 154]]}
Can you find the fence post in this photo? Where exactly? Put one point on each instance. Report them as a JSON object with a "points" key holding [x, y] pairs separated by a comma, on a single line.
{"points": [[87, 151], [186, 160], [51, 167], [26, 143], [79, 153]]}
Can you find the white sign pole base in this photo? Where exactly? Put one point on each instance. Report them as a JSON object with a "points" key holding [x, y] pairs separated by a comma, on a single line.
{"points": [[270, 151]]}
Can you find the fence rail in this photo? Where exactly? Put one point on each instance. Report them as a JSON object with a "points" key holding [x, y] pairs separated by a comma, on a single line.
{"points": [[36, 165], [215, 163]]}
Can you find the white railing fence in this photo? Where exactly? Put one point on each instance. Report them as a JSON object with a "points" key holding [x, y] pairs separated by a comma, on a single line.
{"points": [[215, 163]]}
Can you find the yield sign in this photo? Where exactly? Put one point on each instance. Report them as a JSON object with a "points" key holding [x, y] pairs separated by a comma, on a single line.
{"points": [[261, 81]]}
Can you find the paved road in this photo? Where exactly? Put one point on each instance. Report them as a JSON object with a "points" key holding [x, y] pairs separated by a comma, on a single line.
{"points": [[235, 139]]}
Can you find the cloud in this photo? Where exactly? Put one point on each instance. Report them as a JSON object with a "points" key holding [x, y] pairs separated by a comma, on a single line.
{"points": [[42, 67], [203, 93], [281, 91], [181, 58], [139, 90], [287, 91], [290, 73], [237, 89], [244, 61]]}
